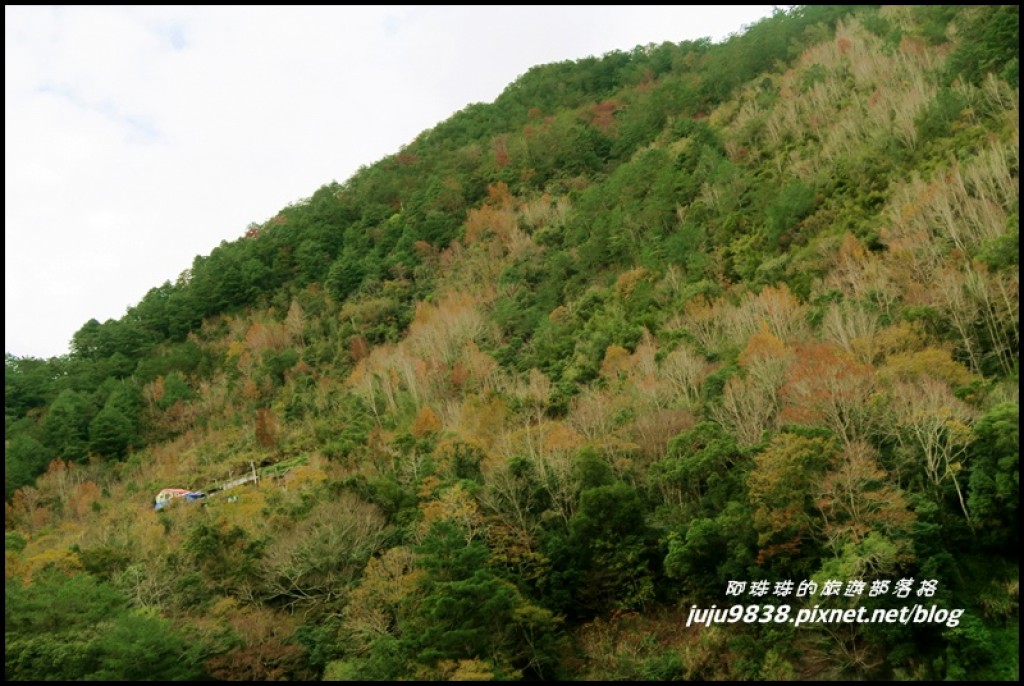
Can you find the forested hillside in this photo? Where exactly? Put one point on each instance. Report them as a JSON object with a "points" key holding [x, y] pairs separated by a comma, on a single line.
{"points": [[553, 375]]}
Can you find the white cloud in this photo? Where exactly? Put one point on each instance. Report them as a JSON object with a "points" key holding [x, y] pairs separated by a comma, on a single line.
{"points": [[137, 138]]}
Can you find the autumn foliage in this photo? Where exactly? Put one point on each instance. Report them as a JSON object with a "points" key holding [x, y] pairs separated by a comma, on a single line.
{"points": [[522, 394]]}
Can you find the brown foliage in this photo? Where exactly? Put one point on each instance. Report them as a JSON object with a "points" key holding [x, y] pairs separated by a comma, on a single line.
{"points": [[602, 115], [615, 362], [482, 421], [268, 650], [750, 403], [500, 147], [932, 362], [83, 497], [295, 323], [653, 429], [267, 428], [313, 560], [782, 487], [375, 606], [358, 347], [858, 499], [825, 385], [426, 422]]}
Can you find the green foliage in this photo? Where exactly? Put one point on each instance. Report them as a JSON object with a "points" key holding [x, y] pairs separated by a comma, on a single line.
{"points": [[649, 195], [796, 201], [346, 274], [994, 486], [609, 537], [66, 427], [182, 358], [882, 27], [935, 120], [140, 647], [708, 552], [988, 43], [969, 650], [111, 433], [95, 341], [105, 562], [14, 541], [278, 363], [933, 22], [225, 556], [466, 608], [24, 459], [464, 612], [77, 628], [592, 470], [175, 390], [1003, 251], [28, 384]]}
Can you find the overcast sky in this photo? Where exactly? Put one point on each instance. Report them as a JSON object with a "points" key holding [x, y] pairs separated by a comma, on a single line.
{"points": [[137, 138]]}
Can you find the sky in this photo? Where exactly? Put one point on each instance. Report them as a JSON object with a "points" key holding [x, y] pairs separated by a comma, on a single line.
{"points": [[138, 138]]}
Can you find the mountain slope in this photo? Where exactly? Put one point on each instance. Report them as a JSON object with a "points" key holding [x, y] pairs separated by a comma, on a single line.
{"points": [[562, 369]]}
